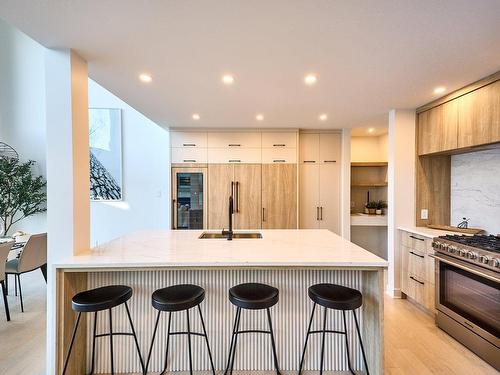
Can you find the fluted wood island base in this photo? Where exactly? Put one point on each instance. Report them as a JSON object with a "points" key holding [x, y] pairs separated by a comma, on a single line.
{"points": [[290, 260]]}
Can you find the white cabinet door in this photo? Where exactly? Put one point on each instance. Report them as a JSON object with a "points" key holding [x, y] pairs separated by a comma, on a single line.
{"points": [[329, 148], [189, 155], [234, 139], [309, 196], [234, 155], [329, 196], [279, 155], [309, 148], [188, 139], [279, 139]]}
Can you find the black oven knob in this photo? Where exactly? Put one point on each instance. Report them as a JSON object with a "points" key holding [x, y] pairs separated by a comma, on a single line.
{"points": [[436, 244], [452, 249], [462, 252], [444, 246], [484, 259], [471, 255], [495, 262]]}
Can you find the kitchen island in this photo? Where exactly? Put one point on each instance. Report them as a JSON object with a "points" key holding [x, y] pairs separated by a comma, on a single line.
{"points": [[290, 260]]}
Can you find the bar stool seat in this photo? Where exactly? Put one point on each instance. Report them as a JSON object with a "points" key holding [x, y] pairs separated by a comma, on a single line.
{"points": [[335, 297], [99, 299], [177, 297], [253, 296]]}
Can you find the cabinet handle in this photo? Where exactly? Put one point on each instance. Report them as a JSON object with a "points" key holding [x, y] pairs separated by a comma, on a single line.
{"points": [[317, 213], [237, 196], [173, 213], [189, 161], [234, 145], [189, 144], [279, 145], [417, 255], [263, 214], [416, 238], [420, 282], [321, 213], [232, 192], [279, 161], [235, 161], [309, 161]]}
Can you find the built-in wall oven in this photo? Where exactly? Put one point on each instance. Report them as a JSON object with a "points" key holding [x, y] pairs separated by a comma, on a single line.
{"points": [[189, 198], [468, 292]]}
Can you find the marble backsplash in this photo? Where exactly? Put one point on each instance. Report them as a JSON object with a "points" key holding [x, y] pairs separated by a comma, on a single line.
{"points": [[475, 189]]}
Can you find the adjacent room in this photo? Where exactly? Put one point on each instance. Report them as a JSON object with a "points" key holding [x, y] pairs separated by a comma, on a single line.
{"points": [[260, 187]]}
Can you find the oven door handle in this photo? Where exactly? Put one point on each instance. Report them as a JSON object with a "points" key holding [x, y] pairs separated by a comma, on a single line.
{"points": [[464, 267]]}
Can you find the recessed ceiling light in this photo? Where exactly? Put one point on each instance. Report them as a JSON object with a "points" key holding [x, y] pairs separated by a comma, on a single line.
{"points": [[196, 116], [310, 79], [323, 117], [228, 79], [439, 90], [371, 130], [259, 117], [144, 77]]}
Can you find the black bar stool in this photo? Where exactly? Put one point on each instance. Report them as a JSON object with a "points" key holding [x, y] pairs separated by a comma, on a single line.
{"points": [[179, 298], [99, 299], [335, 297], [251, 296]]}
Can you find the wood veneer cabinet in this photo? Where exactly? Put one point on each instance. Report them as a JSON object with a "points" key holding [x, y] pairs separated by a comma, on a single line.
{"points": [[279, 196], [437, 128], [479, 116]]}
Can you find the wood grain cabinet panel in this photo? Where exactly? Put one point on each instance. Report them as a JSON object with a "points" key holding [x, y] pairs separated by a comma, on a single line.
{"points": [[247, 178], [479, 116], [437, 128], [220, 177], [279, 196]]}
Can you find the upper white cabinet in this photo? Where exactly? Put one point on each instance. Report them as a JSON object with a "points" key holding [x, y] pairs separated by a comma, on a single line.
{"points": [[191, 155], [279, 155], [188, 139], [309, 148], [329, 148], [234, 139], [279, 140], [236, 155]]}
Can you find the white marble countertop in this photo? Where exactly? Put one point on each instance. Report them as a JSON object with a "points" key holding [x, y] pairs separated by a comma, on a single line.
{"points": [[427, 232], [359, 219], [183, 248]]}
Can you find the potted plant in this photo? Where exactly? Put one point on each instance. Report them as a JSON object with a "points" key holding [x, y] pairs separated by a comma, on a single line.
{"points": [[21, 193], [372, 207], [380, 206]]}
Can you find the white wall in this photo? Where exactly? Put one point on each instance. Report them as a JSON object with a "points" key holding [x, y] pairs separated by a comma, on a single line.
{"points": [[146, 174], [22, 105], [369, 149], [475, 194]]}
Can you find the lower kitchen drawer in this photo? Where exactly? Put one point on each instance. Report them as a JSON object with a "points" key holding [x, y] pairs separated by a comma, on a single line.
{"points": [[423, 292]]}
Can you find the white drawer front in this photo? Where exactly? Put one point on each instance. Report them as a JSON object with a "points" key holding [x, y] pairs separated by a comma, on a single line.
{"points": [[279, 155], [279, 140], [188, 139], [189, 155], [234, 155], [234, 140]]}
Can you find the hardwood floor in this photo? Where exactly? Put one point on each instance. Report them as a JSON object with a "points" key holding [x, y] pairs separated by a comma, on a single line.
{"points": [[414, 345]]}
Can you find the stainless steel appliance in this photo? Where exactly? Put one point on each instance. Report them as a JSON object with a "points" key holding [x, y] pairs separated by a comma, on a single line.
{"points": [[189, 197], [468, 292]]}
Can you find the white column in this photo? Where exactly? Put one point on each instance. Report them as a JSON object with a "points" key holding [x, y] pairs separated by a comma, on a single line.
{"points": [[68, 203], [345, 188], [401, 189]]}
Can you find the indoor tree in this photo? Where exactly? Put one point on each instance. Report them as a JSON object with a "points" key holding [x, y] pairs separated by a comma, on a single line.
{"points": [[21, 193]]}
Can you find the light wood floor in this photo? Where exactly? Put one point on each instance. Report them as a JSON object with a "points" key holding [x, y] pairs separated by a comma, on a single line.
{"points": [[414, 345]]}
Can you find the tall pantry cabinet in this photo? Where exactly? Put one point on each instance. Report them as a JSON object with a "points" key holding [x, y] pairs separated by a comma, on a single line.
{"points": [[319, 181]]}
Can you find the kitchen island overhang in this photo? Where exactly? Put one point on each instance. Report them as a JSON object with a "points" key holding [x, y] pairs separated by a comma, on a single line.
{"points": [[290, 260]]}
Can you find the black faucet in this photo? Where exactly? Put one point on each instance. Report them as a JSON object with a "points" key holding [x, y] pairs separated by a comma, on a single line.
{"points": [[229, 233]]}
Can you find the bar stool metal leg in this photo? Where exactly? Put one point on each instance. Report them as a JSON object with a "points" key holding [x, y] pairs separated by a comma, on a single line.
{"points": [[71, 344], [235, 340], [361, 342], [20, 292], [229, 355], [111, 342], [307, 339], [323, 342], [189, 343], [135, 336], [206, 340], [5, 301], [271, 332], [93, 343], [152, 342], [347, 343], [168, 343]]}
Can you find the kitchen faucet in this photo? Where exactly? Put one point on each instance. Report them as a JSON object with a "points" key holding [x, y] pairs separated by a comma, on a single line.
{"points": [[229, 232]]}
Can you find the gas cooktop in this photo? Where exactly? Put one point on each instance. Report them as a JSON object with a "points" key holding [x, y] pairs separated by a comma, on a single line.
{"points": [[483, 242]]}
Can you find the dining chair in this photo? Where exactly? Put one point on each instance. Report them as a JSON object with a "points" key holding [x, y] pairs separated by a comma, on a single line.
{"points": [[4, 253], [33, 257]]}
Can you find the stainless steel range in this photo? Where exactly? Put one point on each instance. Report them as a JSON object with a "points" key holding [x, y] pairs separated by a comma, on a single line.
{"points": [[468, 292]]}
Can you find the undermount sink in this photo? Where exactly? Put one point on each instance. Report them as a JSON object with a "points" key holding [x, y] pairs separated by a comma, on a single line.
{"points": [[236, 235]]}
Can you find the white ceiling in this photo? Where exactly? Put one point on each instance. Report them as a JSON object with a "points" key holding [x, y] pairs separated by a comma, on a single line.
{"points": [[370, 56]]}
